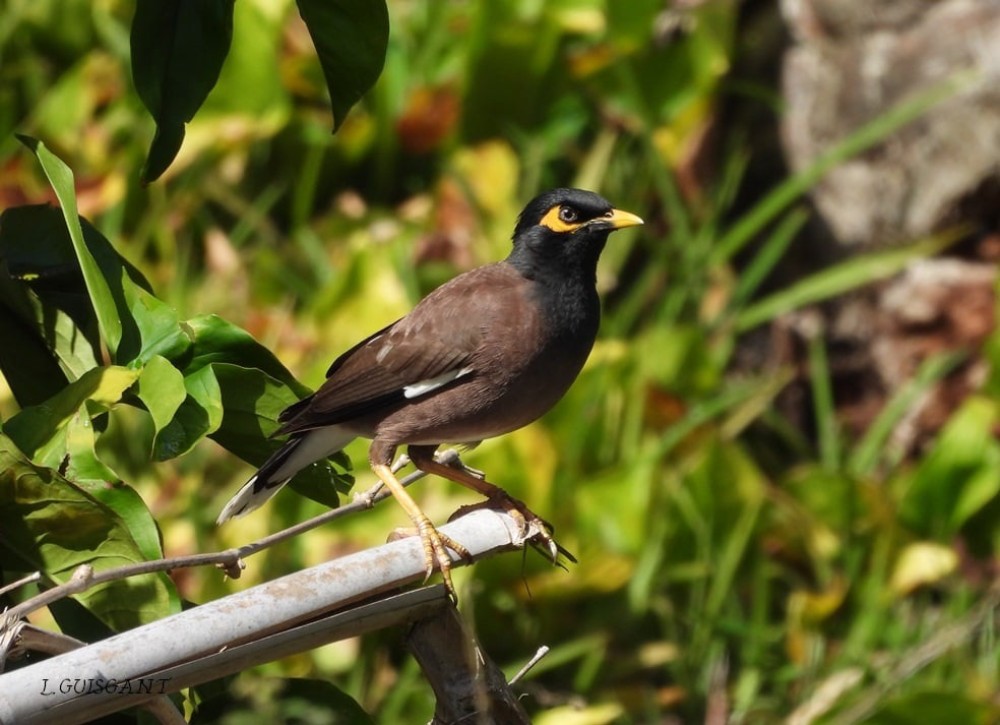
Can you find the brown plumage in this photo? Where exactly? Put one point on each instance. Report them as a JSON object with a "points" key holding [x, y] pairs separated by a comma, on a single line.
{"points": [[484, 354]]}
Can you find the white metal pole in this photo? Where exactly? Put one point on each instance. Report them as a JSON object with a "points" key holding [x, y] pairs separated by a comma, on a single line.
{"points": [[129, 668]]}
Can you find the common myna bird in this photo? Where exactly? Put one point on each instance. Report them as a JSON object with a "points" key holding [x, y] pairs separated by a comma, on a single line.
{"points": [[484, 354]]}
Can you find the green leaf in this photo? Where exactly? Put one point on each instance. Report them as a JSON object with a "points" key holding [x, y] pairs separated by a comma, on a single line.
{"points": [[39, 250], [92, 475], [156, 323], [161, 389], [236, 388], [84, 467], [61, 179], [252, 401], [178, 48], [26, 360], [216, 340], [199, 415], [126, 502], [39, 431], [919, 707], [351, 37], [49, 524], [167, 142], [959, 476], [45, 288]]}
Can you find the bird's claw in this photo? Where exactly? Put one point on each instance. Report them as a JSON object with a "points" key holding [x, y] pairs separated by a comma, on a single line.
{"points": [[532, 525], [436, 545]]}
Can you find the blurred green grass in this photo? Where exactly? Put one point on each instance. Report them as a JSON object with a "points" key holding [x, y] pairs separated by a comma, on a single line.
{"points": [[723, 553]]}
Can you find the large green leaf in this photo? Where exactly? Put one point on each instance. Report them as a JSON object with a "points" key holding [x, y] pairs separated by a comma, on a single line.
{"points": [[159, 330], [40, 430], [959, 476], [216, 340], [83, 466], [161, 389], [45, 287], [49, 524], [26, 359], [199, 415], [178, 48], [235, 390], [61, 178], [92, 475], [40, 252], [51, 318], [351, 37]]}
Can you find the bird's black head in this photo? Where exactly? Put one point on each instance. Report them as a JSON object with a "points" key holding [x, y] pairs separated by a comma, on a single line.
{"points": [[563, 231]]}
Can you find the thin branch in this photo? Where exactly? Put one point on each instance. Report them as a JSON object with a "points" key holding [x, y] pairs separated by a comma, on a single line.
{"points": [[230, 560], [23, 581], [542, 651]]}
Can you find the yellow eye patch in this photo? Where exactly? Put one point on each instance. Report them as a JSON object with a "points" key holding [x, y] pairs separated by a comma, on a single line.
{"points": [[553, 219]]}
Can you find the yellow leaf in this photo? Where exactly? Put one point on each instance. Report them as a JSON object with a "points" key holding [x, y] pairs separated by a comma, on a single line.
{"points": [[922, 563], [591, 715]]}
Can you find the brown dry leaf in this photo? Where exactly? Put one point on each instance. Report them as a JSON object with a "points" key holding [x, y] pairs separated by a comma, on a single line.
{"points": [[429, 118], [455, 222]]}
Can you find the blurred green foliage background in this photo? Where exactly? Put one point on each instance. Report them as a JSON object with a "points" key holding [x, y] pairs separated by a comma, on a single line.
{"points": [[733, 567]]}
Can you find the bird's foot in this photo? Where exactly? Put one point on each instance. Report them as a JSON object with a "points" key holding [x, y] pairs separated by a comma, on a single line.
{"points": [[531, 525], [436, 547]]}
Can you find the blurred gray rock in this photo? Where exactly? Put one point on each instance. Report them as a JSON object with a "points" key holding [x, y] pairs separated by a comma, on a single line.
{"points": [[854, 59]]}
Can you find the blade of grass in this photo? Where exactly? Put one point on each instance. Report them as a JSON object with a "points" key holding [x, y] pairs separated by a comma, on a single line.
{"points": [[699, 414], [595, 165], [733, 174], [754, 406], [843, 277], [872, 447], [724, 569], [822, 395], [767, 257]]}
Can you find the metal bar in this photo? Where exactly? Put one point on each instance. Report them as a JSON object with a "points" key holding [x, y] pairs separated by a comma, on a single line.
{"points": [[34, 694]]}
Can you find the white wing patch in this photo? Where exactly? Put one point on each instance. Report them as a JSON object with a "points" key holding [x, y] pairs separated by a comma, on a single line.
{"points": [[426, 386]]}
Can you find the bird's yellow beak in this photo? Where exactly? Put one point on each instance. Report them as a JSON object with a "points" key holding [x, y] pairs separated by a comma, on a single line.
{"points": [[620, 219]]}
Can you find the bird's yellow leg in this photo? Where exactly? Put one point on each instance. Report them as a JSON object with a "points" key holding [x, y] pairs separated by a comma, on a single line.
{"points": [[423, 458], [435, 543]]}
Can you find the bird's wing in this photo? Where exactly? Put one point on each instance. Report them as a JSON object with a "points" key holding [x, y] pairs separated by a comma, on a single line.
{"points": [[416, 355]]}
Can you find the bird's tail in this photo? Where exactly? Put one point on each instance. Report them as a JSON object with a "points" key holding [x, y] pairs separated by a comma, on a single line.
{"points": [[298, 452]]}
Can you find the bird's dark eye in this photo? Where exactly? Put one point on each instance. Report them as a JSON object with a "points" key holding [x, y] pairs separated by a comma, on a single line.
{"points": [[567, 214]]}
